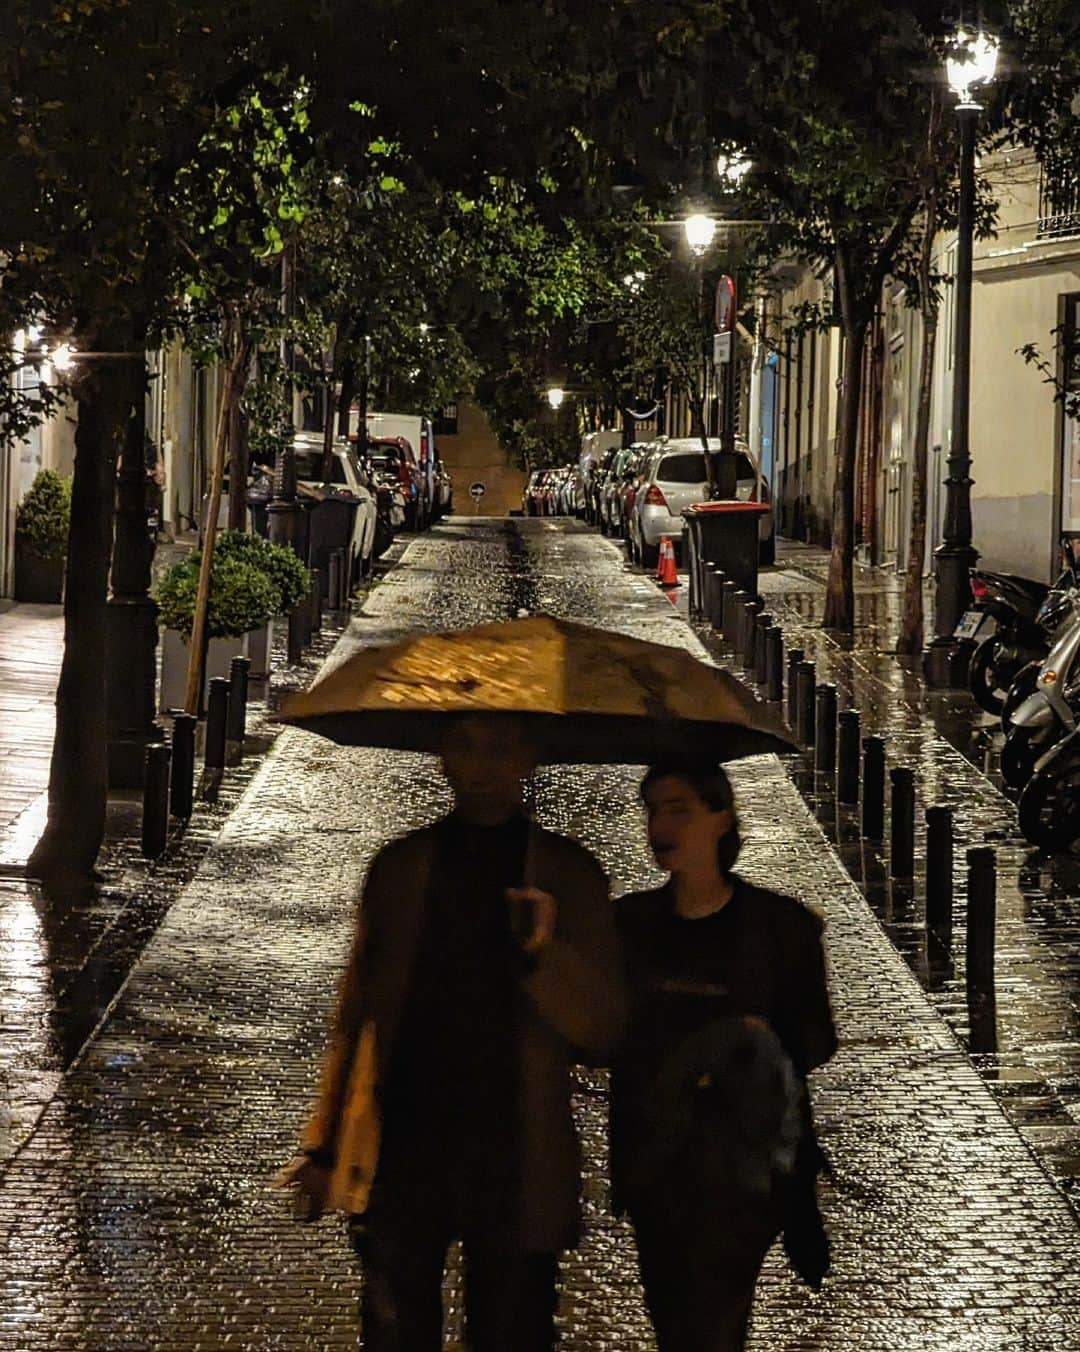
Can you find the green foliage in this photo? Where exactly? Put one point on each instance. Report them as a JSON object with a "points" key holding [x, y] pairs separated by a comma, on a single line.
{"points": [[242, 597], [43, 518], [284, 569]]}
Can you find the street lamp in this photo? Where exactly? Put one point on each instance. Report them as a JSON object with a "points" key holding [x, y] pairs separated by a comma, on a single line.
{"points": [[699, 230], [555, 397], [972, 61], [732, 166]]}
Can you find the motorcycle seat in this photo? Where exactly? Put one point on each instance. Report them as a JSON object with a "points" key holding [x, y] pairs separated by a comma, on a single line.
{"points": [[1036, 591]]}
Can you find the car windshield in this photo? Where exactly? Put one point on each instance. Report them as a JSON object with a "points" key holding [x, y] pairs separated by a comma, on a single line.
{"points": [[386, 462], [687, 467], [309, 467]]}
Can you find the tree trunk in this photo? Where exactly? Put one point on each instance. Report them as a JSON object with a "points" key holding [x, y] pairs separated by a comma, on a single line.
{"points": [[911, 631], [345, 397], [65, 855], [238, 458], [840, 594]]}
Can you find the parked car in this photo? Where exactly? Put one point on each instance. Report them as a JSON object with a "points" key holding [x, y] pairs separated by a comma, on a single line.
{"points": [[394, 457], [418, 431], [532, 497], [676, 478], [347, 475], [632, 481], [594, 447], [444, 488]]}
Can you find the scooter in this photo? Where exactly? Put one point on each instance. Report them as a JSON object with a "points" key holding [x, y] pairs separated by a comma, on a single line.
{"points": [[1049, 807], [1009, 611]]}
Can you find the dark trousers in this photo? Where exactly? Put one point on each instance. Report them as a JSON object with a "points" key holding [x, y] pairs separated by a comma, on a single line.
{"points": [[510, 1296], [699, 1269]]}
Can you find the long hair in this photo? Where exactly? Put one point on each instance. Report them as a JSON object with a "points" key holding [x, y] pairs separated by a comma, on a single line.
{"points": [[711, 784]]}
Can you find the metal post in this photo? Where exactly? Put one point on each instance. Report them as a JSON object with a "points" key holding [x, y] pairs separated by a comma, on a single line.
{"points": [[334, 588], [939, 873], [825, 743], [745, 647], [316, 599], [217, 723], [762, 625], [727, 611], [774, 664], [945, 661], [155, 813], [981, 919], [239, 668], [794, 657], [181, 794], [847, 757], [902, 824], [733, 618], [805, 699], [873, 788], [715, 578], [295, 637]]}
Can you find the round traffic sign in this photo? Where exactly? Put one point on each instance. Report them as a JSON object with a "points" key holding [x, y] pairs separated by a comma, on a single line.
{"points": [[477, 491]]}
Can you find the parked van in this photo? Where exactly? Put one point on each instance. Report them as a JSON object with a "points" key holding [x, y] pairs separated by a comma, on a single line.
{"points": [[418, 430]]}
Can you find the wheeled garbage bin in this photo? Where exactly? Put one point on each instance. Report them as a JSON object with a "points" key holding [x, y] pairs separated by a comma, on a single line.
{"points": [[726, 534]]}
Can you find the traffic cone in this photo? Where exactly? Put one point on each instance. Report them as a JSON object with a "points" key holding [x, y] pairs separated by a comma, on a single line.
{"points": [[660, 559], [669, 577]]}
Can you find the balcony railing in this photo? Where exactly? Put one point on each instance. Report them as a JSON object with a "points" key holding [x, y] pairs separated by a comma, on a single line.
{"points": [[1059, 200]]}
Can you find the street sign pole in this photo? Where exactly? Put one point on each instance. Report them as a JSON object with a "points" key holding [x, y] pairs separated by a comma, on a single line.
{"points": [[476, 492]]}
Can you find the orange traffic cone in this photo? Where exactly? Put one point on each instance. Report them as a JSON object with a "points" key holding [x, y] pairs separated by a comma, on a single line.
{"points": [[669, 576], [660, 559]]}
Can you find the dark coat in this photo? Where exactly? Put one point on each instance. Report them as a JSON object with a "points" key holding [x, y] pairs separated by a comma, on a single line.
{"points": [[574, 1009]]}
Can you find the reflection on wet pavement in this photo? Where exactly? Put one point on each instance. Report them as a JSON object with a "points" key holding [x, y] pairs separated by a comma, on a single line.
{"points": [[138, 1215]]}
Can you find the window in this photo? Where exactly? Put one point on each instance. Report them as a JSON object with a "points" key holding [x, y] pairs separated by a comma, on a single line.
{"points": [[309, 467], [1059, 199], [681, 469]]}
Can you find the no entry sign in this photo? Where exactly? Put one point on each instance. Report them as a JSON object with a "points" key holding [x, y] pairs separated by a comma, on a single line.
{"points": [[477, 491]]}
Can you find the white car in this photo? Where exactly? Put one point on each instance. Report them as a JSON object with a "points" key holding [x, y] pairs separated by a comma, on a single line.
{"points": [[675, 478], [346, 472]]}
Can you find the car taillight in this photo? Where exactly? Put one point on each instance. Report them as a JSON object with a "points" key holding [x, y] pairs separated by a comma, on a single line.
{"points": [[979, 589], [654, 497]]}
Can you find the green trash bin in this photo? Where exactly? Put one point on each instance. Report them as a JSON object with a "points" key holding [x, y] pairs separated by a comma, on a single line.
{"points": [[725, 533]]}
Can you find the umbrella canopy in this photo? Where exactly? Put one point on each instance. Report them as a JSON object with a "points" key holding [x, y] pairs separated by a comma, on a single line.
{"points": [[587, 695]]}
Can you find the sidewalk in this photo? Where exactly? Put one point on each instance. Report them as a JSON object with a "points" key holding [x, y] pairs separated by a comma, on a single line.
{"points": [[137, 1215], [31, 644], [1029, 1053]]}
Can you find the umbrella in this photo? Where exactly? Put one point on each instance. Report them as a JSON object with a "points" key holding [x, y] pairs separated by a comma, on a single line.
{"points": [[587, 695]]}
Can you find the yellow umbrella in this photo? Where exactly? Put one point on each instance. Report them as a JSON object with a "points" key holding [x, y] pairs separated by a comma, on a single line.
{"points": [[587, 695]]}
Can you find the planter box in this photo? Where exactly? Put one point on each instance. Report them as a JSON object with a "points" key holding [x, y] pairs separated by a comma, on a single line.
{"points": [[258, 646], [38, 580], [174, 665]]}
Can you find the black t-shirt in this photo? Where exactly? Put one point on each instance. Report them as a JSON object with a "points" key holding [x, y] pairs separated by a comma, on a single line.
{"points": [[450, 1100]]}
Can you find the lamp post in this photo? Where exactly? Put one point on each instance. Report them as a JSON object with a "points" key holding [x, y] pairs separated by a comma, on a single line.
{"points": [[972, 62], [732, 166]]}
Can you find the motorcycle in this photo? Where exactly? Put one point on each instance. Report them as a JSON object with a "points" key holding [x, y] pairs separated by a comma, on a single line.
{"points": [[1011, 608], [1049, 807]]}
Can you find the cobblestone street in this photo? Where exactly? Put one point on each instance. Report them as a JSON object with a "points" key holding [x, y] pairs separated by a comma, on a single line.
{"points": [[137, 1214]]}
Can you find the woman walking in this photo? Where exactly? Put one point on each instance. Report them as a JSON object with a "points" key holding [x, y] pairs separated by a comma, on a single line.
{"points": [[713, 1149]]}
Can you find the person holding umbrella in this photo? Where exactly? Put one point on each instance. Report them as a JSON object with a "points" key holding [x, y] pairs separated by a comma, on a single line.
{"points": [[713, 1150], [485, 962]]}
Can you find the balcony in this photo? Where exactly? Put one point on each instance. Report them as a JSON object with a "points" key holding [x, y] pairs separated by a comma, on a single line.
{"points": [[1059, 200]]}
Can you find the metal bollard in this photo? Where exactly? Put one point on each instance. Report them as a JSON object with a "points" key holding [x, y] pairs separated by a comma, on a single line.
{"points": [[296, 637], [333, 592], [182, 788], [902, 824], [805, 698], [155, 806], [217, 724], [774, 664], [825, 735], [794, 657], [981, 919], [847, 756], [727, 609], [939, 872], [715, 577], [316, 600], [762, 625], [239, 668], [748, 632], [873, 788], [733, 618]]}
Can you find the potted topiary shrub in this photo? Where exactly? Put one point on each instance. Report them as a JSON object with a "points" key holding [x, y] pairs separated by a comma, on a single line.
{"points": [[252, 581], [42, 521]]}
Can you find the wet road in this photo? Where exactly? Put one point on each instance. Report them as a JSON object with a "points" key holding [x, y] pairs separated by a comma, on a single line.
{"points": [[138, 1214]]}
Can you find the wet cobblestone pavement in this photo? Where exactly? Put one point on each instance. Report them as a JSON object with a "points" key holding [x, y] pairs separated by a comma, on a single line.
{"points": [[138, 1214]]}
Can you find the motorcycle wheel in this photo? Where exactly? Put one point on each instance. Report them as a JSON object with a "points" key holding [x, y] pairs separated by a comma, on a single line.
{"points": [[988, 692], [1027, 678], [1023, 747], [1049, 809]]}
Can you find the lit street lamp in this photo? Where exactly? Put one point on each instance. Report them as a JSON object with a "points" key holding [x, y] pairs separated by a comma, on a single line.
{"points": [[555, 397], [699, 230], [971, 62]]}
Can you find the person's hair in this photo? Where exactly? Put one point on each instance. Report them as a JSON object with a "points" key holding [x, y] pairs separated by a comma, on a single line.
{"points": [[712, 786]]}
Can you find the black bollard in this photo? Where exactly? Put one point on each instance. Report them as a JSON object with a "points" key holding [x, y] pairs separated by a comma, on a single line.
{"points": [[182, 790], [873, 788], [734, 614], [316, 600], [902, 824], [748, 632], [794, 657], [217, 726], [805, 699], [239, 668], [296, 637], [333, 590], [714, 593], [847, 757], [762, 625], [939, 872], [825, 736], [981, 919], [727, 611], [155, 811], [774, 664]]}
